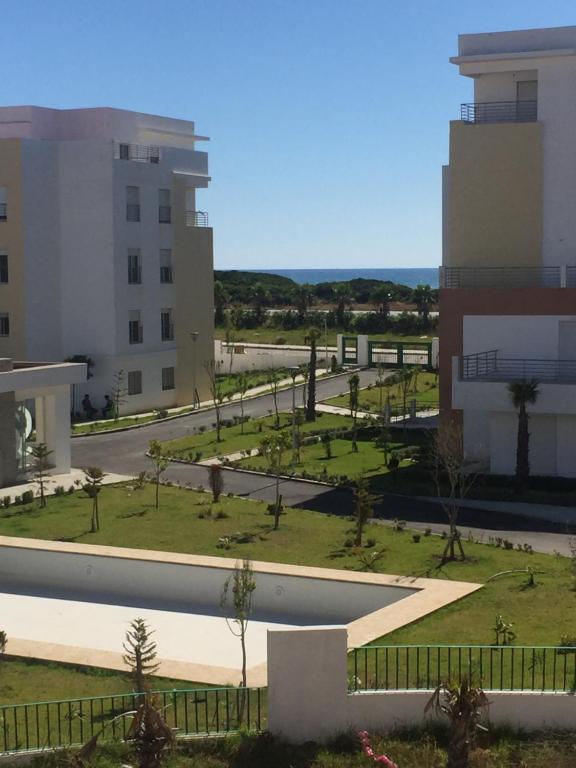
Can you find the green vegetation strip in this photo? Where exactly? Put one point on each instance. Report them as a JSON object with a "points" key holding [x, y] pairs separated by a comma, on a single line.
{"points": [[424, 390]]}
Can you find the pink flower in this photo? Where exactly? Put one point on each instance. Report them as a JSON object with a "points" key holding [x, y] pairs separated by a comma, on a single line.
{"points": [[369, 752]]}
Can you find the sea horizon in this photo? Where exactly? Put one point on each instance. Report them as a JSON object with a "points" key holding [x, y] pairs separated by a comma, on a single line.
{"points": [[410, 276]]}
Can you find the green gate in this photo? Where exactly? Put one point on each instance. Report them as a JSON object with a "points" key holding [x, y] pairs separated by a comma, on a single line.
{"points": [[400, 354]]}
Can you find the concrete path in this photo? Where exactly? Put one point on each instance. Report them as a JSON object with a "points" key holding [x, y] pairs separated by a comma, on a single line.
{"points": [[73, 478]]}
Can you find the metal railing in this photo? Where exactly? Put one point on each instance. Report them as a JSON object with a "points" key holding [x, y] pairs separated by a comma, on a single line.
{"points": [[502, 277], [487, 366], [201, 711], [196, 219], [499, 112], [143, 153], [3, 211], [494, 668], [570, 277]]}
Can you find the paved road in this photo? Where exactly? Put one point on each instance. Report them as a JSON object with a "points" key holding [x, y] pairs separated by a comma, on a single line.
{"points": [[124, 452]]}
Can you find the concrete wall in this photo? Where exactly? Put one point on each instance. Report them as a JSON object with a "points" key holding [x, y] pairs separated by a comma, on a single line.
{"points": [[308, 697], [495, 198], [256, 357]]}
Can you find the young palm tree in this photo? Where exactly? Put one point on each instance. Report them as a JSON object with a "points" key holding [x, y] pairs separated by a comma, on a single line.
{"points": [[523, 393], [423, 297], [311, 338]]}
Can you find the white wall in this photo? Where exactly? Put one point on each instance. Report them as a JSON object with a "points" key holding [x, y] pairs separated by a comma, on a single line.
{"points": [[308, 698], [257, 358], [514, 336]]}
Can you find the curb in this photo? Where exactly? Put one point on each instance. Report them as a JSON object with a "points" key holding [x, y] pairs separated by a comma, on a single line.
{"points": [[191, 413]]}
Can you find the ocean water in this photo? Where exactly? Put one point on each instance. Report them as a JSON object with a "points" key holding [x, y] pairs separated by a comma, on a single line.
{"points": [[405, 276]]}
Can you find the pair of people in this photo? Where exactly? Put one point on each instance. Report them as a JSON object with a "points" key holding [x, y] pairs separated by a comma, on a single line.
{"points": [[90, 411]]}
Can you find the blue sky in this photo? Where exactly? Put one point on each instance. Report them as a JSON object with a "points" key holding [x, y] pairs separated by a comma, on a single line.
{"points": [[328, 118]]}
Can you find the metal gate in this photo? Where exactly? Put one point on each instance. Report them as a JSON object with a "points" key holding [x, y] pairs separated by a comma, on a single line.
{"points": [[400, 354]]}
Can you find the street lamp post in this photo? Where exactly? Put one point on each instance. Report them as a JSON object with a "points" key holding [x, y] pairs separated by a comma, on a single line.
{"points": [[195, 399], [326, 339]]}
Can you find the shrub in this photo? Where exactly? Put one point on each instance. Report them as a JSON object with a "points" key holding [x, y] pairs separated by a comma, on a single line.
{"points": [[370, 543], [71, 490], [17, 500], [161, 414], [416, 538], [221, 515], [6, 501], [27, 497], [399, 525], [59, 490], [428, 532], [349, 543], [280, 340]]}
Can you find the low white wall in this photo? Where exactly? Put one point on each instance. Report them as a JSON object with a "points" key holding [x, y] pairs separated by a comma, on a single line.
{"points": [[253, 357], [295, 599], [308, 695]]}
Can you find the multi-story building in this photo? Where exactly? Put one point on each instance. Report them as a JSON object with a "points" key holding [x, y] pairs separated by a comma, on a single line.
{"points": [[508, 281], [103, 251]]}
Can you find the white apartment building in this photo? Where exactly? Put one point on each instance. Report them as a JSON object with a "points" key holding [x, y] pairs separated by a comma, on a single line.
{"points": [[103, 251], [508, 282]]}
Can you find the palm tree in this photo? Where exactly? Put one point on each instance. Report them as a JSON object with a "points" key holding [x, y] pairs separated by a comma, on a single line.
{"points": [[342, 299], [303, 298], [523, 392], [260, 298], [381, 298], [423, 297], [221, 301], [311, 338]]}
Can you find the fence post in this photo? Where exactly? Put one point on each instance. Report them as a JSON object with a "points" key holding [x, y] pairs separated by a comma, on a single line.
{"points": [[307, 683]]}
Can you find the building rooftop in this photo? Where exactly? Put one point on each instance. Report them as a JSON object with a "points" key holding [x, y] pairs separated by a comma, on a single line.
{"points": [[517, 43], [44, 123]]}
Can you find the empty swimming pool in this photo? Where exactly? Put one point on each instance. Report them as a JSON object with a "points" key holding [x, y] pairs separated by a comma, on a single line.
{"points": [[74, 603]]}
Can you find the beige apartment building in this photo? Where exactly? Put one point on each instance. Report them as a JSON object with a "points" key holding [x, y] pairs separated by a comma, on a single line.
{"points": [[508, 280], [104, 252]]}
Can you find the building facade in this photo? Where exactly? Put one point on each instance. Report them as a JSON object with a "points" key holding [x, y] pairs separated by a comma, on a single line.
{"points": [[508, 280], [104, 253]]}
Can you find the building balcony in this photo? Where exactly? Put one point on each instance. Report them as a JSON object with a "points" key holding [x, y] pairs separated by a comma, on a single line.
{"points": [[140, 153], [489, 366], [3, 211], [196, 219], [499, 112], [508, 277]]}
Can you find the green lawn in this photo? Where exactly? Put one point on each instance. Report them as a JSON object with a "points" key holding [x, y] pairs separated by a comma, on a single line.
{"points": [[343, 462], [373, 398], [235, 438], [187, 521], [267, 335], [229, 383]]}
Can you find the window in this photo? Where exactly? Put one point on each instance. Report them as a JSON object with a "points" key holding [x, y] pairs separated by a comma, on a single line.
{"points": [[165, 265], [124, 151], [3, 205], [132, 203], [135, 334], [134, 266], [167, 378], [3, 267], [4, 324], [164, 209], [166, 325], [134, 382]]}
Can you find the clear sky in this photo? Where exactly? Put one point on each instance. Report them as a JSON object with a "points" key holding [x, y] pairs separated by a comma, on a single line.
{"points": [[328, 118]]}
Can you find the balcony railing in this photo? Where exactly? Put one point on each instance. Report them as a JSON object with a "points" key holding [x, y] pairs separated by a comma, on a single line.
{"points": [[196, 219], [3, 211], [142, 153], [500, 112], [488, 366], [505, 277]]}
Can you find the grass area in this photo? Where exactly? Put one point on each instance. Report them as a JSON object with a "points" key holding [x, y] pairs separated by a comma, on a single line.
{"points": [[267, 335], [414, 749], [237, 438], [229, 383], [342, 464], [372, 398], [29, 680]]}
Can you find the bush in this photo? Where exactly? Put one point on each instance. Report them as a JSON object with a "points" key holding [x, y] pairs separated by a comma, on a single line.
{"points": [[161, 414], [198, 456], [221, 515], [27, 497], [349, 543], [416, 538], [59, 490], [280, 340], [399, 525], [17, 500], [71, 489], [370, 543], [6, 501]]}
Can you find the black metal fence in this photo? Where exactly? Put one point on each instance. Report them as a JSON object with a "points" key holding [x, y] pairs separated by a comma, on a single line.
{"points": [[500, 112], [489, 366], [502, 277], [494, 668], [202, 712]]}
